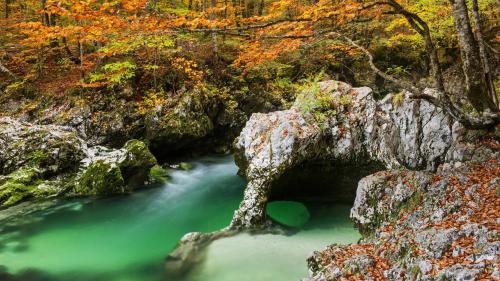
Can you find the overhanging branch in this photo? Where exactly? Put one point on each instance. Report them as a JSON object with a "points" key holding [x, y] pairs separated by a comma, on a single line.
{"points": [[443, 101]]}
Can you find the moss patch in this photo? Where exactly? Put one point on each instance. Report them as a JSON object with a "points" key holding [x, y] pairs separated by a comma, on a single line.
{"points": [[157, 175], [101, 178], [185, 166], [138, 155], [20, 185]]}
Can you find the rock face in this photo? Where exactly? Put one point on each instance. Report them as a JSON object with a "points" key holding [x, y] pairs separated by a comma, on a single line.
{"points": [[430, 212], [40, 161], [169, 123], [348, 127], [56, 149], [422, 226]]}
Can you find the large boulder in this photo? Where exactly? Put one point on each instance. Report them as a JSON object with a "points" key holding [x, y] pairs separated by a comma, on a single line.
{"points": [[41, 161], [335, 123], [111, 171], [422, 226], [24, 183], [53, 149]]}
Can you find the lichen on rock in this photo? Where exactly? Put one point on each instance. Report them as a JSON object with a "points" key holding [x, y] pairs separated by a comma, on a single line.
{"points": [[53, 149], [431, 211], [438, 226], [109, 171]]}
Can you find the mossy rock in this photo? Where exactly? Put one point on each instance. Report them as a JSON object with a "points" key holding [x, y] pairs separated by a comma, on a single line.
{"points": [[185, 166], [20, 185], [158, 175], [101, 178], [138, 154], [136, 167]]}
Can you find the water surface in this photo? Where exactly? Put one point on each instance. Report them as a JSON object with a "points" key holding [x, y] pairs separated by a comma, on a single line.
{"points": [[127, 237]]}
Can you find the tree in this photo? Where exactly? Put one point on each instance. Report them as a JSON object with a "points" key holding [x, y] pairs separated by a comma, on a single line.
{"points": [[330, 18], [483, 53], [477, 88], [6, 8], [93, 33]]}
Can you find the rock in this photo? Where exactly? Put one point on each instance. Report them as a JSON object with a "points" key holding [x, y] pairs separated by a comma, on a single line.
{"points": [[188, 252], [185, 166], [19, 185], [158, 175], [41, 161], [350, 128], [191, 250], [171, 127], [432, 233], [100, 178], [428, 214], [53, 149], [108, 171], [382, 194]]}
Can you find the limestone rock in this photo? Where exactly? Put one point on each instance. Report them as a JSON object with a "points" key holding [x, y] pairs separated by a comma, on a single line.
{"points": [[53, 149], [41, 161], [348, 127]]}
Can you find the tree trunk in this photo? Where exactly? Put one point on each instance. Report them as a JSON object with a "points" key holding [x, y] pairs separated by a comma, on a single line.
{"points": [[243, 9], [261, 8], [422, 28], [235, 7], [7, 8], [476, 86], [482, 52], [45, 16], [212, 16], [225, 9]]}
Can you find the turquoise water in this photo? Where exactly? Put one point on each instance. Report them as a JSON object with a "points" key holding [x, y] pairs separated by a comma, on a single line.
{"points": [[289, 213], [266, 257], [127, 238]]}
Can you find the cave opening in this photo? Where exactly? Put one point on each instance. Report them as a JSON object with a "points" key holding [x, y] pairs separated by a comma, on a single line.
{"points": [[322, 182]]}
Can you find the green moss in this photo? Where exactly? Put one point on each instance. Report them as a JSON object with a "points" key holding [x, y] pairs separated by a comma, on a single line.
{"points": [[19, 185], [398, 99], [139, 155], [100, 178], [176, 126], [185, 166], [413, 202], [36, 157], [157, 174]]}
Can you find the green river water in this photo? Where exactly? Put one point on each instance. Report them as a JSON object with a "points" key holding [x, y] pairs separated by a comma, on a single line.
{"points": [[126, 238]]}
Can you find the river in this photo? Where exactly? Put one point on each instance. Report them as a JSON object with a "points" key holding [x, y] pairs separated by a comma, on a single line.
{"points": [[126, 238]]}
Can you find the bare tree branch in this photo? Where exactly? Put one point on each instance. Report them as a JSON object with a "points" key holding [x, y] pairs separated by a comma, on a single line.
{"points": [[443, 101]]}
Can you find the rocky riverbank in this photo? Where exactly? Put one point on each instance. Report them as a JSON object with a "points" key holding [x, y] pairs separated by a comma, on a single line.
{"points": [[432, 210], [421, 226], [44, 161], [80, 144]]}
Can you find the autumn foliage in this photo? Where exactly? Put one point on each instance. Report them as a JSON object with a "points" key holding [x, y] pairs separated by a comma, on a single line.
{"points": [[178, 44]]}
